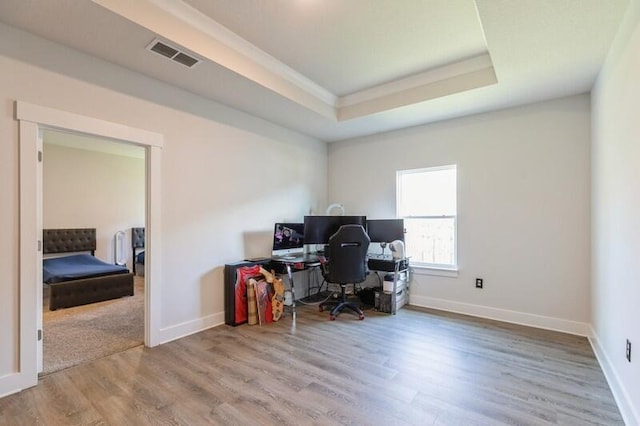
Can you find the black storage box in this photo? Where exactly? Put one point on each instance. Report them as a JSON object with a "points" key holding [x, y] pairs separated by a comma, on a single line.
{"points": [[230, 277]]}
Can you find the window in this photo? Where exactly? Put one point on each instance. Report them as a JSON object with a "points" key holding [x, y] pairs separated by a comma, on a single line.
{"points": [[426, 200]]}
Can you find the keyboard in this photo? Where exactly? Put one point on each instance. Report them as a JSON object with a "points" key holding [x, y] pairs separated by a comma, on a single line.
{"points": [[297, 258]]}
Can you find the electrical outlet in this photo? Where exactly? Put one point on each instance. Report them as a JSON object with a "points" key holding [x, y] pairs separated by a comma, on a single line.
{"points": [[628, 350], [478, 282]]}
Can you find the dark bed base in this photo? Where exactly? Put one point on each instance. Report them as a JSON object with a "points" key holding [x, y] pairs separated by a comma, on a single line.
{"points": [[90, 290]]}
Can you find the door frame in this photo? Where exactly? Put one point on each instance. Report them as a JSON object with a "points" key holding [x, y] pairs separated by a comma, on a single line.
{"points": [[32, 120]]}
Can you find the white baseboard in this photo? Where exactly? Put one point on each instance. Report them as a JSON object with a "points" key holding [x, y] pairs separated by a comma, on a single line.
{"points": [[190, 327], [531, 320], [628, 411], [12, 383]]}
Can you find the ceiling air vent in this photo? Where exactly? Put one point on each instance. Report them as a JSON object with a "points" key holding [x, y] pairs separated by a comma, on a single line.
{"points": [[173, 53]]}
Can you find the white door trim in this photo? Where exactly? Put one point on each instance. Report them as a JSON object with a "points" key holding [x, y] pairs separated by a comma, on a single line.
{"points": [[34, 118]]}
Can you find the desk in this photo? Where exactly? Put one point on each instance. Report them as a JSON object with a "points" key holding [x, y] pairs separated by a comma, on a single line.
{"points": [[376, 263], [288, 267]]}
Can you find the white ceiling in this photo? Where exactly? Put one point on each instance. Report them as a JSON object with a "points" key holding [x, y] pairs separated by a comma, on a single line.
{"points": [[345, 46], [337, 69]]}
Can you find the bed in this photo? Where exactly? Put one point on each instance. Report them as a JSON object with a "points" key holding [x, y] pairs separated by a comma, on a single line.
{"points": [[137, 247], [79, 278]]}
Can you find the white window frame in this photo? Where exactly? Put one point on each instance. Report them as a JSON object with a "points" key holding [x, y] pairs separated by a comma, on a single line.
{"points": [[431, 268]]}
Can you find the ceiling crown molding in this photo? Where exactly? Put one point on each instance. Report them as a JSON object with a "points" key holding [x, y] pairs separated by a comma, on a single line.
{"points": [[178, 22], [463, 75]]}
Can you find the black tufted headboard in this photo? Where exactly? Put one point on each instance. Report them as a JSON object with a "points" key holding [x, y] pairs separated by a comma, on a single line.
{"points": [[137, 246], [137, 238], [69, 240]]}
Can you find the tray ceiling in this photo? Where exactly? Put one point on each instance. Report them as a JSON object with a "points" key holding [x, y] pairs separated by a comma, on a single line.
{"points": [[336, 69]]}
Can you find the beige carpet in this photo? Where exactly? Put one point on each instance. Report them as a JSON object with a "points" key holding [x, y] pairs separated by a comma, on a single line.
{"points": [[76, 335]]}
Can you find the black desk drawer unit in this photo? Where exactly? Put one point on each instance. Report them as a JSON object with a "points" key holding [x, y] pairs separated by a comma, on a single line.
{"points": [[230, 277]]}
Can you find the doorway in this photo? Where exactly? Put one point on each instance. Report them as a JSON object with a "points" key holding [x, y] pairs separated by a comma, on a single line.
{"points": [[92, 183], [33, 120]]}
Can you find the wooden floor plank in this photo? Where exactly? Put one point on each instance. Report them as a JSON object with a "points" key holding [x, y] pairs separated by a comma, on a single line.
{"points": [[419, 367]]}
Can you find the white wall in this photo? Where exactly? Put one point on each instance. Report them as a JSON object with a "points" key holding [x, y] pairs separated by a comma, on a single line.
{"points": [[523, 207], [221, 192], [616, 216], [90, 189]]}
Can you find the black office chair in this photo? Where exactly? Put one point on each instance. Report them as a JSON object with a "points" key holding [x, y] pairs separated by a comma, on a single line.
{"points": [[347, 264]]}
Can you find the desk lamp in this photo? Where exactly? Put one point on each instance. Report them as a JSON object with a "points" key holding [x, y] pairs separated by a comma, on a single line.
{"points": [[397, 249], [335, 206]]}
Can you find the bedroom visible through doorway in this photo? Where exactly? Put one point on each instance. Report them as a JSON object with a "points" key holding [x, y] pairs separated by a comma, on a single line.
{"points": [[33, 121], [90, 182]]}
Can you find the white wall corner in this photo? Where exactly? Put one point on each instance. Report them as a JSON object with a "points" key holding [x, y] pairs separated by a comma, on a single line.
{"points": [[625, 405]]}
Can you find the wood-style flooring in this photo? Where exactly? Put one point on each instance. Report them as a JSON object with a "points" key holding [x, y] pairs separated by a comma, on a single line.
{"points": [[419, 367]]}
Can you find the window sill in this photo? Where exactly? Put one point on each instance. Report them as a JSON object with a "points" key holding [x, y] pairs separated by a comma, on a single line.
{"points": [[438, 272]]}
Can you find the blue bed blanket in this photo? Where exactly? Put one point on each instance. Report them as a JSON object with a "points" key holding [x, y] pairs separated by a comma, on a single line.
{"points": [[76, 267]]}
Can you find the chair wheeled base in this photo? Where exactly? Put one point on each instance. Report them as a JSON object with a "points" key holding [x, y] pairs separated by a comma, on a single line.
{"points": [[341, 304]]}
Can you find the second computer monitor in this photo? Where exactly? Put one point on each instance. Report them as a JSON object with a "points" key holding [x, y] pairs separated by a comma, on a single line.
{"points": [[318, 229], [385, 230]]}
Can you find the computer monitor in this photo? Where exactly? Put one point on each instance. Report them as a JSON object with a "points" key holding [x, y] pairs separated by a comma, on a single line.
{"points": [[318, 229], [288, 238], [385, 230]]}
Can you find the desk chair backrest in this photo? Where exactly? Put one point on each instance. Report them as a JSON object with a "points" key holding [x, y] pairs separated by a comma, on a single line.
{"points": [[348, 255]]}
